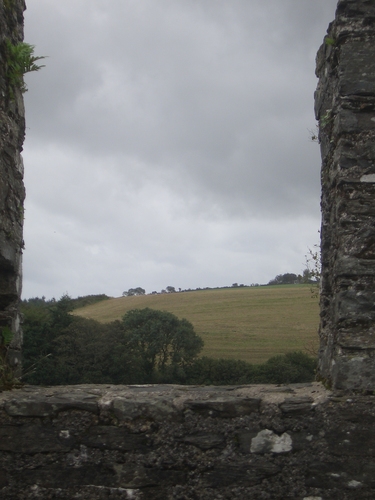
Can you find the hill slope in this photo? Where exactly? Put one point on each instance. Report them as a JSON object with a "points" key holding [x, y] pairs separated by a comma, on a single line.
{"points": [[249, 323]]}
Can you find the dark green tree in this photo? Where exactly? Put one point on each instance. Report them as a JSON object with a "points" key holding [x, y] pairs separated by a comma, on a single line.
{"points": [[292, 367], [44, 323], [160, 339], [210, 371], [284, 279]]}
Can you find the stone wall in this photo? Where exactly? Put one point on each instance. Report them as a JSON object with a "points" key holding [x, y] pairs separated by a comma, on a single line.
{"points": [[345, 108], [176, 442], [12, 194]]}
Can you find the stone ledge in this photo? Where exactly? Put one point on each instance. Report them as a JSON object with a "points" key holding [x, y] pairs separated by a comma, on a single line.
{"points": [[186, 442], [156, 401]]}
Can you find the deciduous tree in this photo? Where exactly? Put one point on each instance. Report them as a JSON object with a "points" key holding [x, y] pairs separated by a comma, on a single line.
{"points": [[159, 338]]}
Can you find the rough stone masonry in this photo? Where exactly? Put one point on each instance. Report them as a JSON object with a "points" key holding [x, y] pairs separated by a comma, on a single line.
{"points": [[12, 193], [345, 108]]}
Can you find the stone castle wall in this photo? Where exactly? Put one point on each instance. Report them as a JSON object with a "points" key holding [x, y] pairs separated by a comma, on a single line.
{"points": [[345, 108], [158, 442], [12, 193]]}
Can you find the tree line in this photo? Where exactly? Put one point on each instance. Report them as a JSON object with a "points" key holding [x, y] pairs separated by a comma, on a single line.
{"points": [[146, 346], [310, 275]]}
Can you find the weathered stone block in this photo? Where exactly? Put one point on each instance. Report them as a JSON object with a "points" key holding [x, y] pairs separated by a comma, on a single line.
{"points": [[359, 243], [31, 439], [360, 337], [3, 478], [352, 267], [356, 75], [353, 442], [352, 9], [297, 405], [137, 476], [355, 306], [241, 475], [355, 197], [227, 408], [351, 122], [353, 370], [36, 406], [127, 409], [56, 477], [324, 475], [115, 438], [204, 441]]}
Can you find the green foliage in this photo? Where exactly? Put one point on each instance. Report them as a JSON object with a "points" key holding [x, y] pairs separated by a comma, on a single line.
{"points": [[7, 378], [147, 346], [84, 353], [87, 300], [134, 291], [314, 134], [289, 368], [8, 4], [326, 119], [6, 336], [209, 371], [285, 279], [329, 41], [44, 322], [20, 60], [159, 338], [237, 323], [313, 271]]}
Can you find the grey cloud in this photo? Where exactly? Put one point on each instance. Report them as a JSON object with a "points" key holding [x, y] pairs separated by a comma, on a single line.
{"points": [[151, 116]]}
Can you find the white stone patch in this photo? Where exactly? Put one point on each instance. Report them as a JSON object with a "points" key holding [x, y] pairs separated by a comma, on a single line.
{"points": [[357, 359], [354, 484], [368, 178], [64, 434], [373, 119], [267, 441], [312, 498]]}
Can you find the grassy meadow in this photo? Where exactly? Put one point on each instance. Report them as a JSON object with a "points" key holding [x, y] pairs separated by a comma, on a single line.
{"points": [[248, 323]]}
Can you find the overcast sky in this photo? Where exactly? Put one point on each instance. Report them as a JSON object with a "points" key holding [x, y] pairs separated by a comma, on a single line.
{"points": [[167, 143]]}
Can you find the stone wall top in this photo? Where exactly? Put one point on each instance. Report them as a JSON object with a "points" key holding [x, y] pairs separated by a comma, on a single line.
{"points": [[161, 442], [156, 401]]}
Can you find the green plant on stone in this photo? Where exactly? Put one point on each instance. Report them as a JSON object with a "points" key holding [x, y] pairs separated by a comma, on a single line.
{"points": [[314, 270], [20, 60], [6, 336], [7, 379], [21, 211], [329, 41], [8, 4], [326, 118], [314, 134]]}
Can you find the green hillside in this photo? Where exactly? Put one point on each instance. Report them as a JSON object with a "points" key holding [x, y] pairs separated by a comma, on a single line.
{"points": [[248, 323]]}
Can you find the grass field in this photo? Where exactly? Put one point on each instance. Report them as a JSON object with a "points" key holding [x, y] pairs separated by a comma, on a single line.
{"points": [[248, 323]]}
